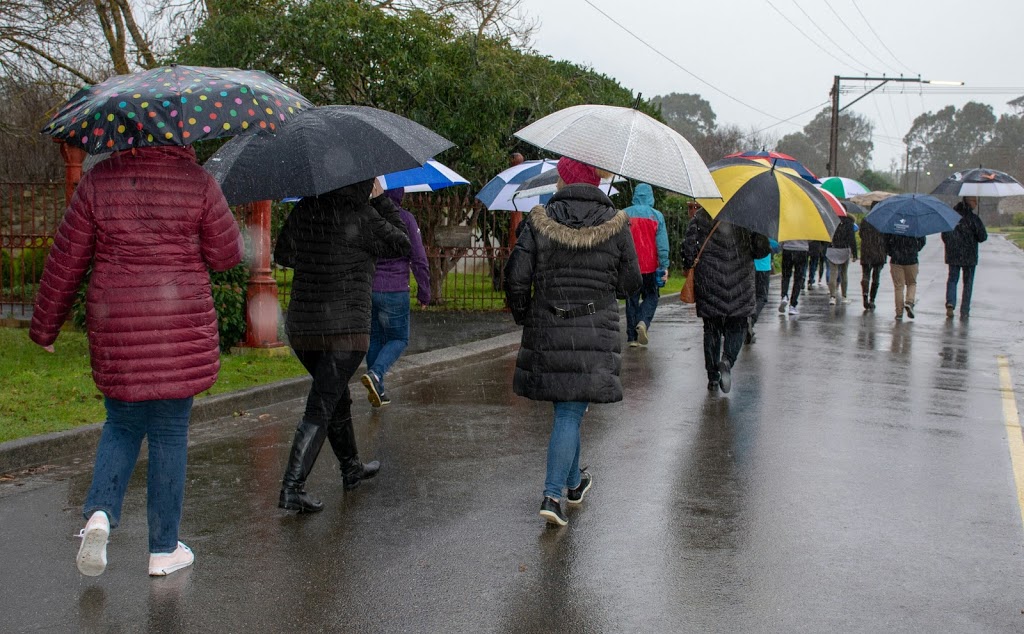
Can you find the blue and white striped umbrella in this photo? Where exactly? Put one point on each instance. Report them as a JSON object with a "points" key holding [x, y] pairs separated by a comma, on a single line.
{"points": [[431, 177], [497, 193]]}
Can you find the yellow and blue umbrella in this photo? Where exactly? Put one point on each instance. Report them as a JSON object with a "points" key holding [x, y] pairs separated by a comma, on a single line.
{"points": [[771, 201]]}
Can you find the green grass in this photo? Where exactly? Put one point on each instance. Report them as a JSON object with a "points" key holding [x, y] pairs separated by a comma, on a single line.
{"points": [[53, 392], [1014, 234]]}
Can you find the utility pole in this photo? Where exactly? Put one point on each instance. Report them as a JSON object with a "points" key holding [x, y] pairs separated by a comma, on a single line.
{"points": [[833, 137]]}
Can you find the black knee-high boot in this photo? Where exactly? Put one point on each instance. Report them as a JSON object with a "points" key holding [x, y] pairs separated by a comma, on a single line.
{"points": [[309, 438], [343, 441]]}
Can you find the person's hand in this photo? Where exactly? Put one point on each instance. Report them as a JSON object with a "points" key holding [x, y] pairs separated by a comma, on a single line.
{"points": [[48, 348], [377, 190], [664, 276]]}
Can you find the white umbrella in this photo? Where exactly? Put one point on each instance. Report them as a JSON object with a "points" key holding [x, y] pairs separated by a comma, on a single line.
{"points": [[627, 142]]}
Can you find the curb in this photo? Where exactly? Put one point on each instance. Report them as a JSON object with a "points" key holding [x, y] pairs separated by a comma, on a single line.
{"points": [[28, 452]]}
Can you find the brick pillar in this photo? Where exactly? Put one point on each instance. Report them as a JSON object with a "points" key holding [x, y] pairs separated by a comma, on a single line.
{"points": [[73, 158], [261, 294]]}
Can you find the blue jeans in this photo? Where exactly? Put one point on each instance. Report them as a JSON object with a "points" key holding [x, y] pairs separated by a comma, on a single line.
{"points": [[564, 449], [165, 422], [389, 332], [640, 306], [951, 282]]}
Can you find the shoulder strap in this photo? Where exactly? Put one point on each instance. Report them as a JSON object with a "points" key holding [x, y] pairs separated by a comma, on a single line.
{"points": [[706, 240]]}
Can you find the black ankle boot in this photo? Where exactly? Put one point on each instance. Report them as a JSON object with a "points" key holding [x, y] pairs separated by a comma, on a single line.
{"points": [[355, 472], [309, 438], [299, 500]]}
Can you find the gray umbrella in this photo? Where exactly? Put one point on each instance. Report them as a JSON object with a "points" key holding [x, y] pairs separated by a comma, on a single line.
{"points": [[627, 142], [320, 150]]}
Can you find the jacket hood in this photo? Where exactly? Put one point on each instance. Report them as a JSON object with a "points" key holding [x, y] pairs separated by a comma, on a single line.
{"points": [[351, 194], [601, 223], [396, 195], [643, 195], [159, 152]]}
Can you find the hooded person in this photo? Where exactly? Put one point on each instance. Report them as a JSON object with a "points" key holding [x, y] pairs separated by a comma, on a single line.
{"points": [[724, 288], [650, 237], [149, 222], [872, 261], [332, 241], [573, 259], [961, 252], [389, 311]]}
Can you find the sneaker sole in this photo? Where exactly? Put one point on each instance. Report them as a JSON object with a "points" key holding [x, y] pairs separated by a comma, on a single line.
{"points": [[590, 483], [553, 518], [163, 572], [641, 335], [92, 554], [371, 392], [724, 378]]}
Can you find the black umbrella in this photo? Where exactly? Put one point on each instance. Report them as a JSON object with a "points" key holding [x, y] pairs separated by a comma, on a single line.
{"points": [[174, 105], [320, 150], [979, 182]]}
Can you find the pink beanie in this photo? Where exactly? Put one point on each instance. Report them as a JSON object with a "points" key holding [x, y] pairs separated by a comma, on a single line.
{"points": [[572, 171]]}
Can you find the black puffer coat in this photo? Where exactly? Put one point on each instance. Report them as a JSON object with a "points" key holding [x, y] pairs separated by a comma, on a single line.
{"points": [[903, 250], [333, 242], [845, 237], [576, 251], [724, 282], [961, 244], [872, 245]]}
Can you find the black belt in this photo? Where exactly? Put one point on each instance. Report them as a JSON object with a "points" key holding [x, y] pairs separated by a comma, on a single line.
{"points": [[590, 308]]}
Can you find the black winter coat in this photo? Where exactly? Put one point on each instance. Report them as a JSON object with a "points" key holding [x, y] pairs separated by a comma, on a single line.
{"points": [[724, 282], [816, 248], [872, 245], [961, 244], [903, 250], [845, 237], [333, 242], [575, 251]]}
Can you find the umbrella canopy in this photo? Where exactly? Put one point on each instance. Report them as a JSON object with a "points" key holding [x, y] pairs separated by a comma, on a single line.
{"points": [[546, 183], [834, 203], [778, 159], [871, 197], [497, 193], [173, 105], [770, 201], [979, 182], [844, 187], [912, 215], [853, 208], [624, 141], [431, 177], [320, 150]]}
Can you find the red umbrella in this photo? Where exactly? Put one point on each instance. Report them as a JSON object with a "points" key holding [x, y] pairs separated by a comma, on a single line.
{"points": [[779, 160], [833, 202]]}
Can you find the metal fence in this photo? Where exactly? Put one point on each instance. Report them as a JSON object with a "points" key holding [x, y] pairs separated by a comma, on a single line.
{"points": [[467, 247], [29, 216]]}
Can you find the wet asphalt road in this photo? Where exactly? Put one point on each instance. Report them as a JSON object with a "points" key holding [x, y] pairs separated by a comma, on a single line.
{"points": [[857, 478]]}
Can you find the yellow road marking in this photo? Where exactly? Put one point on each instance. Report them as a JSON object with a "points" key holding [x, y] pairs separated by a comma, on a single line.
{"points": [[1014, 437]]}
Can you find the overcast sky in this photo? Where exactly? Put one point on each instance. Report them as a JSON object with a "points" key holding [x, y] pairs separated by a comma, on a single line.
{"points": [[748, 49]]}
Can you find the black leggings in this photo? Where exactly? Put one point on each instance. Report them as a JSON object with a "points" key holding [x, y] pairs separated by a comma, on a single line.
{"points": [[869, 279], [329, 400]]}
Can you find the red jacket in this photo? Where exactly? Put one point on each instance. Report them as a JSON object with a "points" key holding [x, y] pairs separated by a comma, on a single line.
{"points": [[149, 221]]}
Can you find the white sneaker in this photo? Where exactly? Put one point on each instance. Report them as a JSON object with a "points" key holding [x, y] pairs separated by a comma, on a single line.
{"points": [[634, 344], [92, 554], [832, 301], [161, 564], [641, 334], [793, 310], [784, 304]]}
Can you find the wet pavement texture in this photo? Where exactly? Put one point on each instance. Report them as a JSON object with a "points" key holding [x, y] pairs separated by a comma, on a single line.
{"points": [[857, 478]]}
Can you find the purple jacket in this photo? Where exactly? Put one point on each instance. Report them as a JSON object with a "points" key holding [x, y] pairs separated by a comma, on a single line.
{"points": [[392, 274]]}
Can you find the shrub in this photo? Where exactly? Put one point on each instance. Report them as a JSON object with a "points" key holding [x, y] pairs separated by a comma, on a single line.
{"points": [[1018, 220], [677, 218], [8, 274], [32, 261]]}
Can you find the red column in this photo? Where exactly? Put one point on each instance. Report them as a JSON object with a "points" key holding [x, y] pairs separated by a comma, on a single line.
{"points": [[262, 307], [73, 158]]}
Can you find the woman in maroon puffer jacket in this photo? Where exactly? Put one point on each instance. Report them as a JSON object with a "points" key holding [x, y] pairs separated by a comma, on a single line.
{"points": [[149, 222]]}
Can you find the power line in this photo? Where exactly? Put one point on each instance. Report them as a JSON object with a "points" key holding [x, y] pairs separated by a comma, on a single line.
{"points": [[828, 38], [820, 105], [857, 39], [809, 38], [683, 68], [880, 40]]}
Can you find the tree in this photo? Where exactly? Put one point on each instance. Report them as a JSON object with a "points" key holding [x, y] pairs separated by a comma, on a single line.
{"points": [[811, 145], [688, 114], [503, 19], [876, 181], [939, 141]]}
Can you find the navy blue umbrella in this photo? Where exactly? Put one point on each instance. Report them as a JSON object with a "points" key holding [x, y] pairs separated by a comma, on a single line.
{"points": [[912, 215]]}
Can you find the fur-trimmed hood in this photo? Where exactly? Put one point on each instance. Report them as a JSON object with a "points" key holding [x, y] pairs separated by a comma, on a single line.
{"points": [[579, 217]]}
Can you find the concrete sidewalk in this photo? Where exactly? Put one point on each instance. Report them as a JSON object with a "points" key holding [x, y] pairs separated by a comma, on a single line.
{"points": [[436, 340]]}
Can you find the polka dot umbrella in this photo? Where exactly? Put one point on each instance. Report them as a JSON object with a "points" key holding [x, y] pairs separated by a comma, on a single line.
{"points": [[173, 105]]}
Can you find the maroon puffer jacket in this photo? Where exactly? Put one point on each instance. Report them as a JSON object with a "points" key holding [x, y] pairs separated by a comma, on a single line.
{"points": [[150, 221]]}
